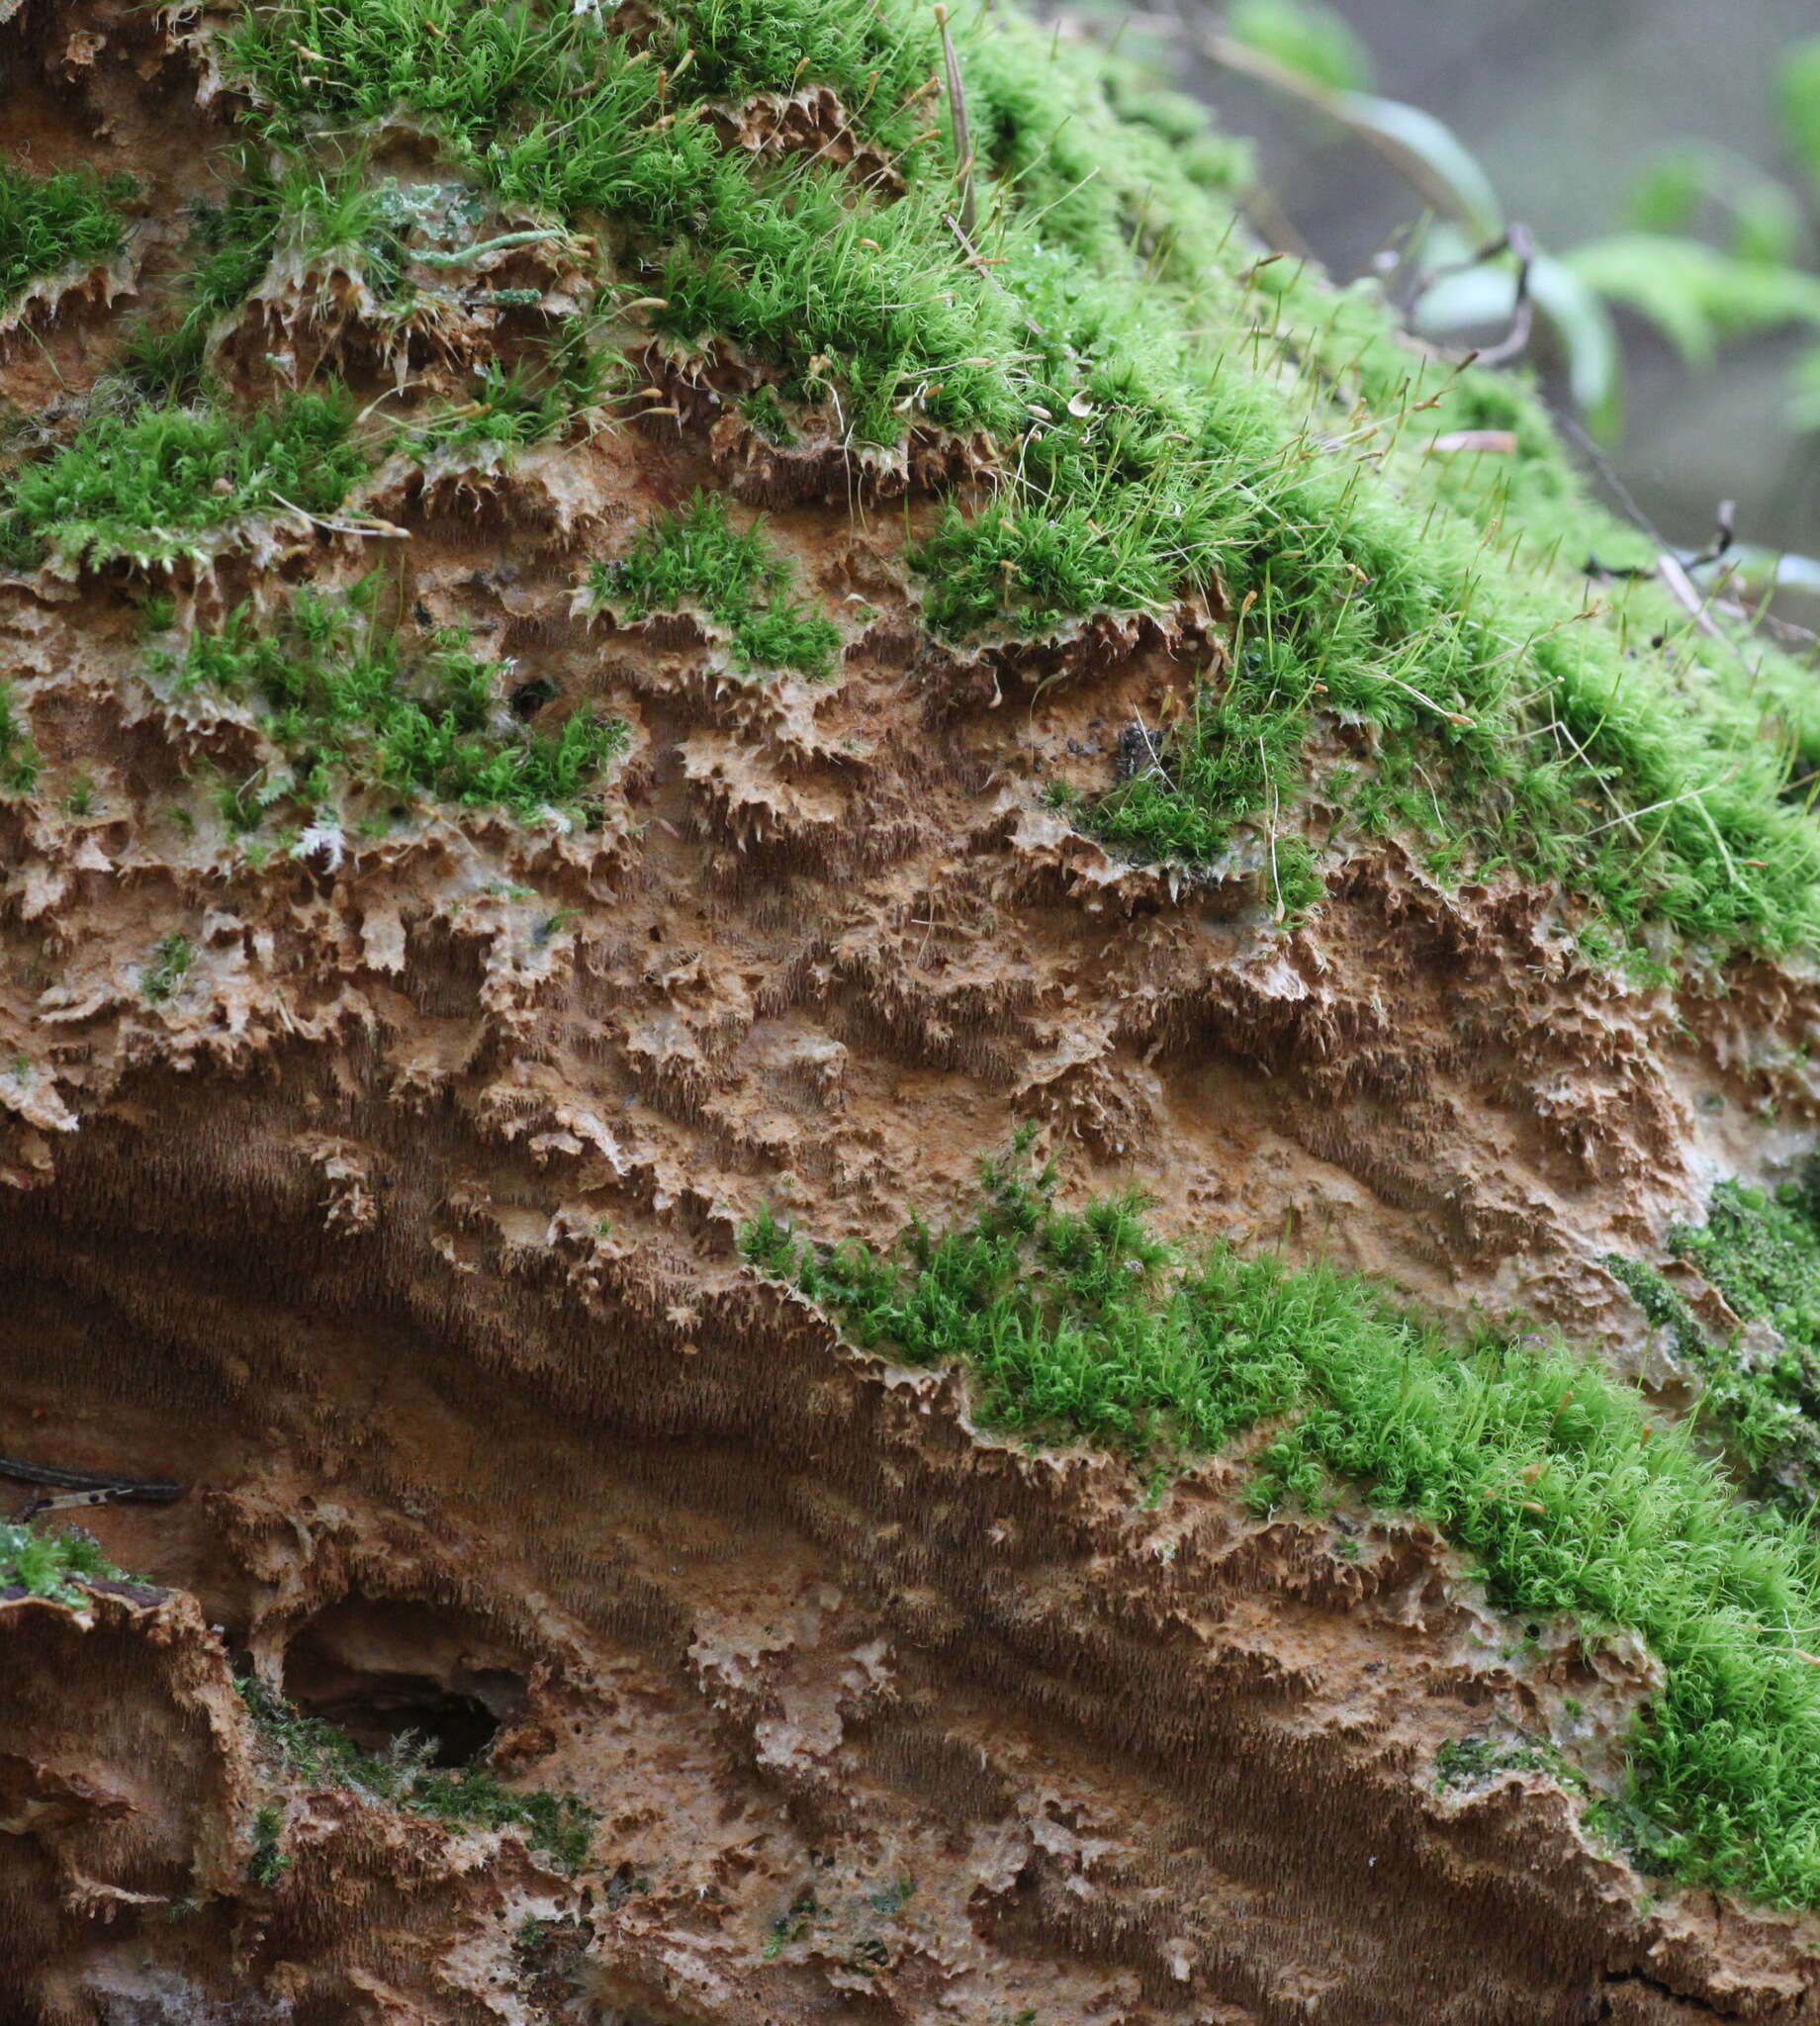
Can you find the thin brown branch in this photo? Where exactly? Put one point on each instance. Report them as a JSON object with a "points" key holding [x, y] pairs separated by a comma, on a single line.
{"points": [[1516, 341]]}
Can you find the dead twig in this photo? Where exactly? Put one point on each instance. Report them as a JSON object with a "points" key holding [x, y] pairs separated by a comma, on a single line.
{"points": [[65, 1489], [1686, 593], [1671, 570], [1516, 343], [1231, 54], [965, 217]]}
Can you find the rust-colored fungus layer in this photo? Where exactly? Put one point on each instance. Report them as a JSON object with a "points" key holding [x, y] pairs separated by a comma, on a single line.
{"points": [[401, 1232]]}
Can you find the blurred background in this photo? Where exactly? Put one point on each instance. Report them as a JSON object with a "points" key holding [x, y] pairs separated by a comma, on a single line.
{"points": [[1664, 156]]}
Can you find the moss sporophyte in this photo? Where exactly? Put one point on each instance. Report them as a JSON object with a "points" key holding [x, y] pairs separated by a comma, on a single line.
{"points": [[1150, 413], [1552, 1475]]}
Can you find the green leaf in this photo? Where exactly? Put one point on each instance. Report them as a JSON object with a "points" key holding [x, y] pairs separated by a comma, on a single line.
{"points": [[1670, 190], [1450, 173], [1679, 182], [1424, 150], [1797, 103], [1309, 40], [1695, 294], [1485, 295], [1766, 223], [1660, 280], [1589, 341], [1471, 298]]}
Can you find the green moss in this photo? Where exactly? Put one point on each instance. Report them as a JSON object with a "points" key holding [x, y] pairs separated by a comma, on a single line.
{"points": [[894, 1896], [270, 1860], [19, 763], [1238, 754], [558, 1824], [794, 1925], [1761, 1252], [347, 707], [765, 413], [1471, 1761], [512, 409], [1551, 1474], [774, 264], [1026, 571], [160, 483], [1164, 415], [49, 224], [875, 58], [49, 1564], [304, 218], [310, 1749], [508, 413], [695, 558], [162, 979], [231, 243]]}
